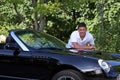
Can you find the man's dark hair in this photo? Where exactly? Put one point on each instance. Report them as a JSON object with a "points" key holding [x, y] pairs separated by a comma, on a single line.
{"points": [[82, 24]]}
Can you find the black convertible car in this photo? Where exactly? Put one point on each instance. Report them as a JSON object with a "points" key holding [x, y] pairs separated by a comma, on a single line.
{"points": [[34, 55]]}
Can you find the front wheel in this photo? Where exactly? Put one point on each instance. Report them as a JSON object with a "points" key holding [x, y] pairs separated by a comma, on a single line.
{"points": [[68, 75]]}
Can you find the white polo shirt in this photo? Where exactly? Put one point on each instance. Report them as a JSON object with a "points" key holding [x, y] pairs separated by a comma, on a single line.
{"points": [[75, 37]]}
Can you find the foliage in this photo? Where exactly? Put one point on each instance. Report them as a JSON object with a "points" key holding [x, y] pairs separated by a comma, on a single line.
{"points": [[61, 18], [110, 31], [5, 28], [48, 8]]}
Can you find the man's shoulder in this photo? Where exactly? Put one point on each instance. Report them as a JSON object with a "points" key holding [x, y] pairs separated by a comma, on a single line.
{"points": [[89, 34], [75, 32]]}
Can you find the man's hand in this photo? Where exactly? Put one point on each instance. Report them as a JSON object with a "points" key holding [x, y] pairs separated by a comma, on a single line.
{"points": [[91, 47]]}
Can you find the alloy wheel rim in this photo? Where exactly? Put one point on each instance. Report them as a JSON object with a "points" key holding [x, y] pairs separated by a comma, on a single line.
{"points": [[65, 78]]}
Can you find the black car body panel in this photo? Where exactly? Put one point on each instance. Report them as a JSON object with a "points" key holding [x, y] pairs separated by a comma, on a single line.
{"points": [[29, 54]]}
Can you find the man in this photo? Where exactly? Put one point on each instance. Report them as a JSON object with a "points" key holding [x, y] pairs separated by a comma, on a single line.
{"points": [[81, 39]]}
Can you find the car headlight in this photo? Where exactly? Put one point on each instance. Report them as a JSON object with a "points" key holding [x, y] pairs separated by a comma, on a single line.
{"points": [[104, 65]]}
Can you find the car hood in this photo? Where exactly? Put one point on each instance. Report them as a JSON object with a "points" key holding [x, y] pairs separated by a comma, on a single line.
{"points": [[112, 58]]}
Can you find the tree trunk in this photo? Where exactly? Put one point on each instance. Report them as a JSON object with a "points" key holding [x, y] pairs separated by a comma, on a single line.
{"points": [[101, 29], [41, 24], [34, 2], [36, 21]]}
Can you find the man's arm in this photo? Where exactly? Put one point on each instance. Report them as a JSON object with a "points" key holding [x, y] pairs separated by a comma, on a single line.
{"points": [[77, 46]]}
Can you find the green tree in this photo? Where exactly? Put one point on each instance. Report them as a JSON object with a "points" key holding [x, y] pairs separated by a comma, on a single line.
{"points": [[60, 18], [30, 12]]}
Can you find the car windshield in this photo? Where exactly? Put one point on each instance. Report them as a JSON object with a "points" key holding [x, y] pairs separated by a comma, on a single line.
{"points": [[40, 40]]}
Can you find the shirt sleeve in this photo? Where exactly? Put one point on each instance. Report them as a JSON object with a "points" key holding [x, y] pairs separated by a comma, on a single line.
{"points": [[92, 41], [73, 37]]}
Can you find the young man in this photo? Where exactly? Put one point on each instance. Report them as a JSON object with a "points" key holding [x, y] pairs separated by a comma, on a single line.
{"points": [[81, 39]]}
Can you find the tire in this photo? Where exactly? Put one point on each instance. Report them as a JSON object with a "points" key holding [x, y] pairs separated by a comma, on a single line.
{"points": [[68, 75]]}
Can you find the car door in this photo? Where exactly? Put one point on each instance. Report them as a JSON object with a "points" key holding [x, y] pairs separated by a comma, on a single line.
{"points": [[30, 66], [23, 65], [6, 58], [15, 64]]}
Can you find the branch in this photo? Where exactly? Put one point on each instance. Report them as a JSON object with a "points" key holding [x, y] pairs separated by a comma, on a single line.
{"points": [[22, 18]]}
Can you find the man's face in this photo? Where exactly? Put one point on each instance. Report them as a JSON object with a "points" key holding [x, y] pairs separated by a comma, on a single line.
{"points": [[82, 31]]}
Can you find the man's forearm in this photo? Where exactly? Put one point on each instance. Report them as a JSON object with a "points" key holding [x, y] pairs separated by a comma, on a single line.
{"points": [[83, 47]]}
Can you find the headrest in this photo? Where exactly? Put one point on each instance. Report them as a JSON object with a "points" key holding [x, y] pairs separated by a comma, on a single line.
{"points": [[9, 39]]}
